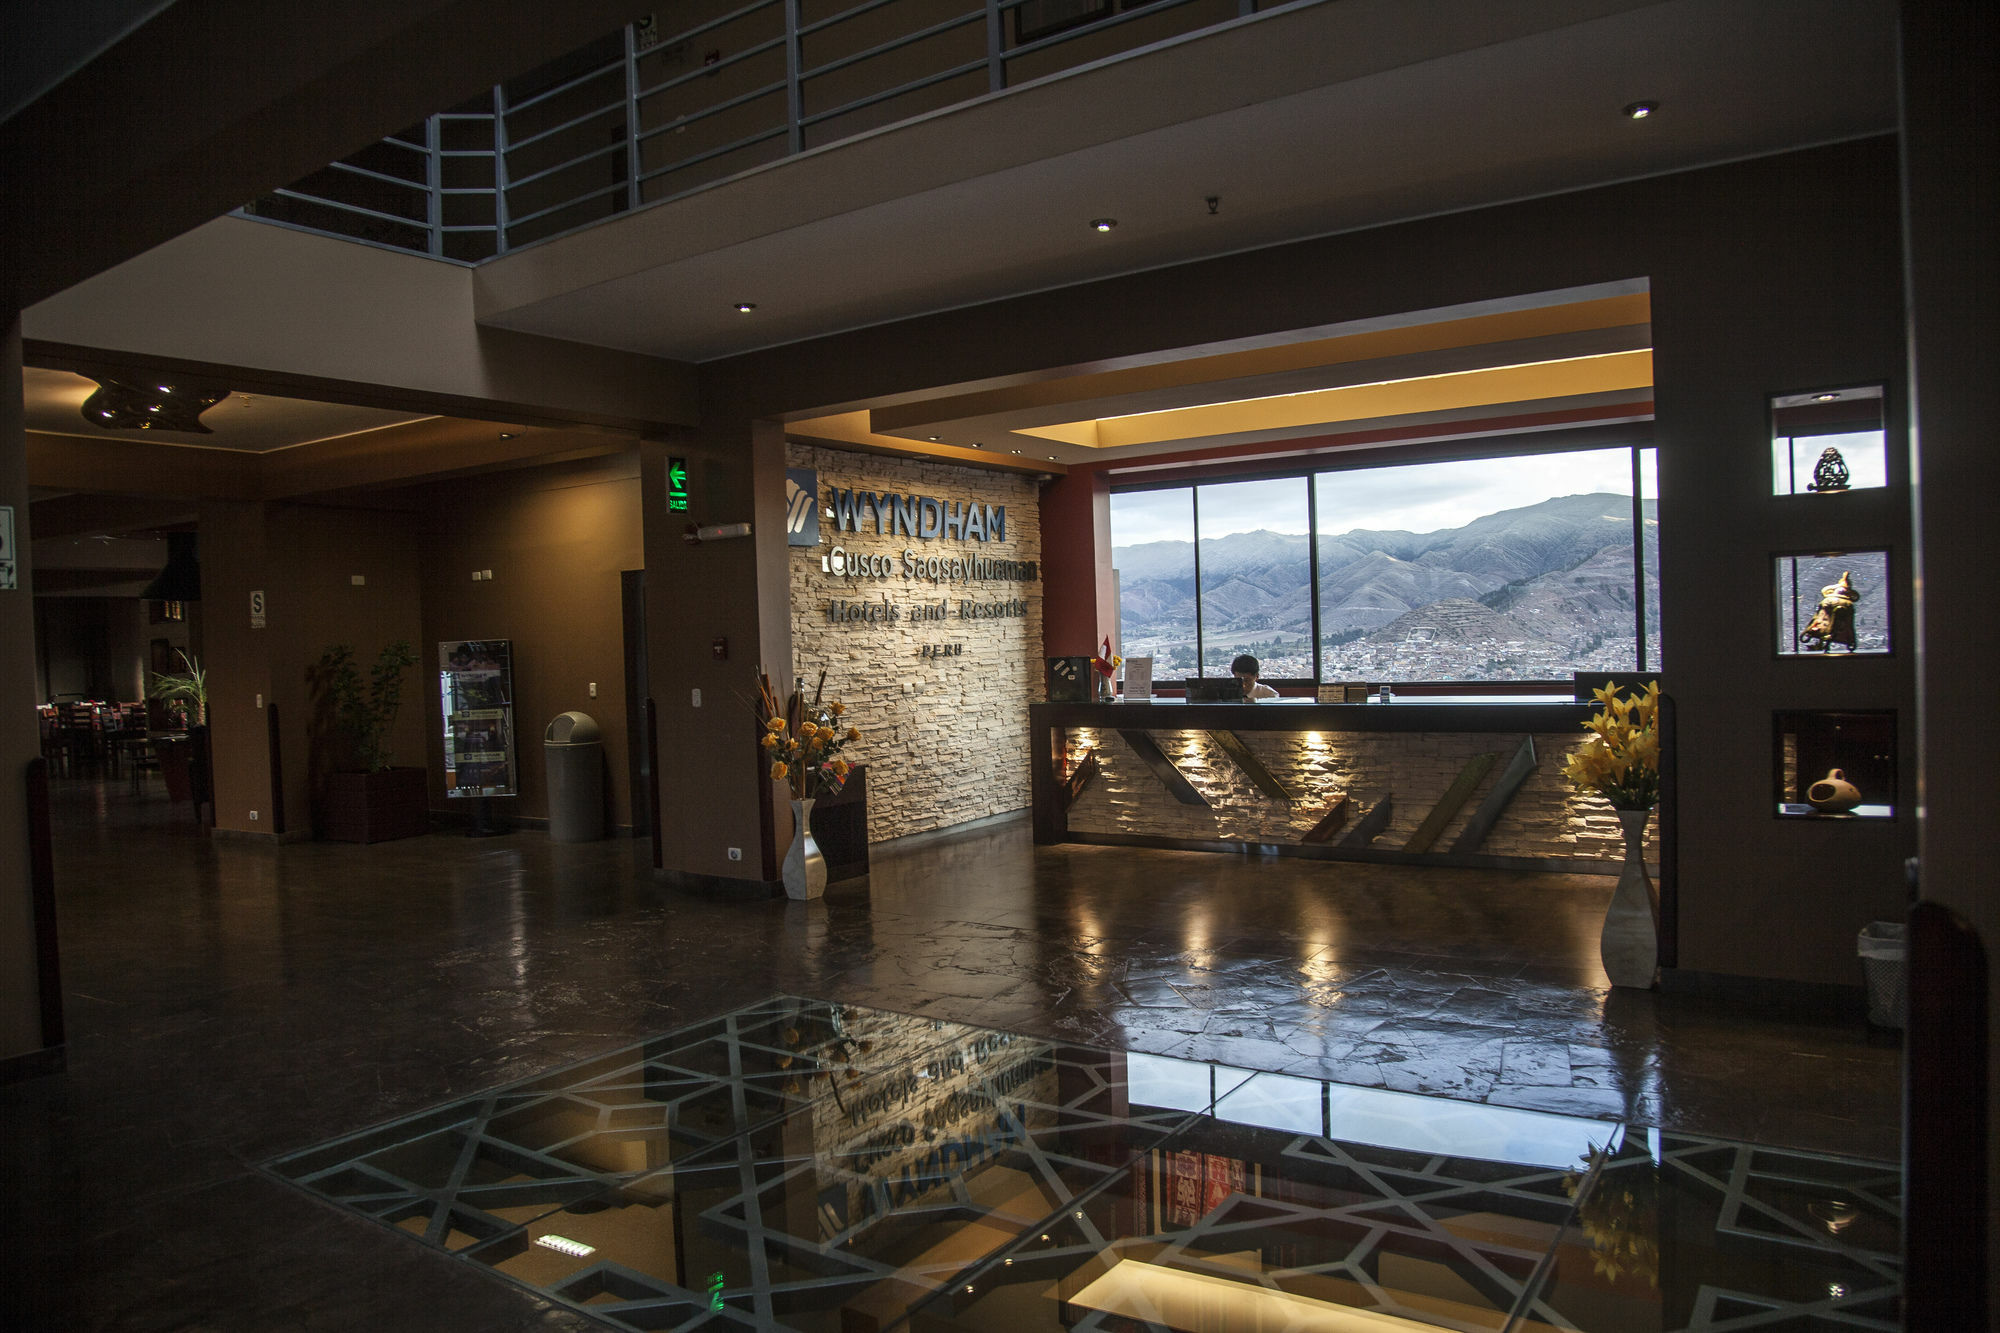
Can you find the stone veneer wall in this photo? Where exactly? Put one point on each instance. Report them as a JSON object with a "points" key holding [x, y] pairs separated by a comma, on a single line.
{"points": [[1545, 819], [945, 738]]}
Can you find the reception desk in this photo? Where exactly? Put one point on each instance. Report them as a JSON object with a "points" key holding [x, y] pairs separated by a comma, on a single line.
{"points": [[1467, 784]]}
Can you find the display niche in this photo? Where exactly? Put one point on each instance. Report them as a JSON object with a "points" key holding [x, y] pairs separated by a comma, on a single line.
{"points": [[1836, 765], [1832, 603], [1828, 442]]}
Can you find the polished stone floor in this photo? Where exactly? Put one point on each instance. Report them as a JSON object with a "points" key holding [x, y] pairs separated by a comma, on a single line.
{"points": [[230, 1005]]}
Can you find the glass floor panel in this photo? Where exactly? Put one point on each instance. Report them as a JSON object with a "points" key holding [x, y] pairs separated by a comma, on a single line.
{"points": [[840, 1169]]}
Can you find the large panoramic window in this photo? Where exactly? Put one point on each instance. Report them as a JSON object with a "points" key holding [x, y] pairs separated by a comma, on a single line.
{"points": [[1527, 567]]}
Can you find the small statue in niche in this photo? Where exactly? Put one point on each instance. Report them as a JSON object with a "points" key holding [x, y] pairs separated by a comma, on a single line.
{"points": [[1830, 473], [1834, 621]]}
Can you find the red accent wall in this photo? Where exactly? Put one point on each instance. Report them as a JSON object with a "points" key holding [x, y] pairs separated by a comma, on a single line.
{"points": [[1077, 609]]}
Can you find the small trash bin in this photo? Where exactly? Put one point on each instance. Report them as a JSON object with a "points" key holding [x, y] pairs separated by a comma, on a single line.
{"points": [[1884, 965], [574, 746]]}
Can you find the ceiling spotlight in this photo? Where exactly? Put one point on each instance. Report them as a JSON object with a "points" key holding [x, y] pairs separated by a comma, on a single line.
{"points": [[1052, 458], [1103, 224], [152, 404], [932, 438], [1015, 452], [977, 445], [1640, 110], [745, 307], [1825, 397]]}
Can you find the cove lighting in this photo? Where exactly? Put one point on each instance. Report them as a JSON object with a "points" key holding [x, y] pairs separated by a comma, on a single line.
{"points": [[1640, 110], [1103, 224], [575, 1249]]}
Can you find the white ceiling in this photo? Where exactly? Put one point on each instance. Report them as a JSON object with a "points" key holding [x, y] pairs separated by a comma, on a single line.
{"points": [[899, 224]]}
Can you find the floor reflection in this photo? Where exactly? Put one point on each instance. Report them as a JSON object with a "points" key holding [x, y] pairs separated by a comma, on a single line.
{"points": [[832, 1167]]}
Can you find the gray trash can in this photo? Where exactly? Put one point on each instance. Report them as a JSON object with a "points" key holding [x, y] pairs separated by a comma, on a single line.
{"points": [[574, 746], [1884, 964]]}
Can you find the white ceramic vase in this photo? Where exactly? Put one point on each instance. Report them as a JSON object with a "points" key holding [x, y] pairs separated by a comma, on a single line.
{"points": [[1630, 942], [805, 868]]}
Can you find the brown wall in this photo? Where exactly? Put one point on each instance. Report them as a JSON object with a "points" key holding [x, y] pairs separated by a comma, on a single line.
{"points": [[104, 642], [1773, 275], [305, 559], [557, 540], [735, 590]]}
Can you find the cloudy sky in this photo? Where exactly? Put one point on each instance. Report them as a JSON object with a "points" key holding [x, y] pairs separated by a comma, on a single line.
{"points": [[1422, 497]]}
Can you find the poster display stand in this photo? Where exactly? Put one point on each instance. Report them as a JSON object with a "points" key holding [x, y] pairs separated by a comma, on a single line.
{"points": [[476, 684]]}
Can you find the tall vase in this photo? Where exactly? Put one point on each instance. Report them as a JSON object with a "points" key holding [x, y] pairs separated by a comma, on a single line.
{"points": [[805, 868], [1630, 942]]}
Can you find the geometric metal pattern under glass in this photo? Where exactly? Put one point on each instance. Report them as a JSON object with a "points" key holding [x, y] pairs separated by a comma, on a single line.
{"points": [[840, 1169]]}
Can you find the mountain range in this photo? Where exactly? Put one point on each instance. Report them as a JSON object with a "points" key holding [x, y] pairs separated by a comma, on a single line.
{"points": [[1557, 573]]}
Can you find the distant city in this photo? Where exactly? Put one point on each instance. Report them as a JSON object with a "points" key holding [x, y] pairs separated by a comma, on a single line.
{"points": [[1523, 594]]}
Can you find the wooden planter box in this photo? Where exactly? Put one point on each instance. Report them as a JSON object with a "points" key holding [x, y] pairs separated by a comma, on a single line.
{"points": [[375, 807]]}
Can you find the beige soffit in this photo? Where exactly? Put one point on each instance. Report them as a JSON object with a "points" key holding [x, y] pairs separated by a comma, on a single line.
{"points": [[1536, 381]]}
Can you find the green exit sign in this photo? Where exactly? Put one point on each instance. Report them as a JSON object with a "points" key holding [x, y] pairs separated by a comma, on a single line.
{"points": [[677, 483]]}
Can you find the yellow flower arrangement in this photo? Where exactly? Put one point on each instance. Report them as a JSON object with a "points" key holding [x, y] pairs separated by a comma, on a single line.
{"points": [[1621, 760], [802, 741], [1619, 1216]]}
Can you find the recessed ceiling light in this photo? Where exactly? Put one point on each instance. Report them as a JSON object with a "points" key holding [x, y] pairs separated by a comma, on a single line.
{"points": [[1640, 110], [977, 445], [1052, 458], [1103, 224], [564, 1245], [1015, 452], [1825, 397], [745, 307], [932, 438], [506, 434]]}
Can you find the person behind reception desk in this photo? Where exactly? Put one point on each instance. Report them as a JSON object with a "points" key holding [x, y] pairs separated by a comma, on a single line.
{"points": [[1245, 669]]}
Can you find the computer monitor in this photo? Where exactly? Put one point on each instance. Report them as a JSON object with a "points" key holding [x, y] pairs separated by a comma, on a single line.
{"points": [[1214, 690]]}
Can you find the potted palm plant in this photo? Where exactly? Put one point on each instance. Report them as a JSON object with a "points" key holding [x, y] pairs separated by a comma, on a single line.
{"points": [[183, 692], [359, 794], [184, 760]]}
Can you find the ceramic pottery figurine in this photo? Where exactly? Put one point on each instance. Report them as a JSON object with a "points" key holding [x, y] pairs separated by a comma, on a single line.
{"points": [[1830, 473], [1834, 621], [1833, 794]]}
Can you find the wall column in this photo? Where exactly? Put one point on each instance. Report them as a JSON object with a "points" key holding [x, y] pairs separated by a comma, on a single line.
{"points": [[1951, 157], [715, 612], [20, 969], [1078, 604], [235, 559]]}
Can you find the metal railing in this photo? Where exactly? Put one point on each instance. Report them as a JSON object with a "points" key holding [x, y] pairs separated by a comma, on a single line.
{"points": [[643, 116]]}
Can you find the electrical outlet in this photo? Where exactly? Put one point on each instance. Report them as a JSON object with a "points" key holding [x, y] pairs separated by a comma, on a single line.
{"points": [[593, 689], [735, 853], [260, 701], [697, 698], [486, 574], [253, 814], [358, 580]]}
